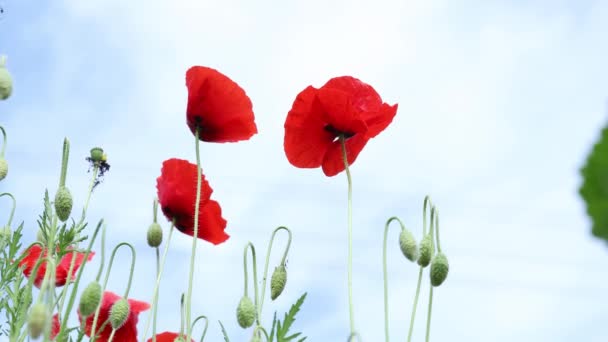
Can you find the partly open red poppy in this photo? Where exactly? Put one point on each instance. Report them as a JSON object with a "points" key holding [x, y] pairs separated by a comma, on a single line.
{"points": [[177, 194], [126, 333], [218, 106], [167, 337], [34, 253], [344, 106]]}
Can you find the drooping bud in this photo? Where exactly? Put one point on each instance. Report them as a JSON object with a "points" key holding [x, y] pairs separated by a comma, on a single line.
{"points": [[155, 235], [6, 81], [37, 320], [119, 313], [278, 281], [439, 269], [97, 154], [63, 203], [245, 312], [408, 245], [426, 251], [3, 168], [90, 299]]}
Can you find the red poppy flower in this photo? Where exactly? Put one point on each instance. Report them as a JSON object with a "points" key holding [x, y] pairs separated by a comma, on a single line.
{"points": [[344, 106], [55, 326], [34, 253], [218, 106], [177, 193], [167, 337], [126, 333]]}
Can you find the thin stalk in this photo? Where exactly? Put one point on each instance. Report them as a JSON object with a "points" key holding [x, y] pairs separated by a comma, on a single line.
{"points": [[385, 273], [351, 310]]}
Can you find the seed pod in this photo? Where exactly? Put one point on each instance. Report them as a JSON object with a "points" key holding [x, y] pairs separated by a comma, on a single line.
{"points": [[426, 251], [97, 154], [37, 320], [90, 299], [245, 313], [408, 245], [3, 168], [278, 281], [439, 269], [119, 313], [6, 81], [155, 235], [63, 203]]}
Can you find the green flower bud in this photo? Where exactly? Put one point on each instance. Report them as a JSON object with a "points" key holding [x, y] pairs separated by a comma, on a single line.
{"points": [[97, 154], [408, 245], [63, 203], [5, 236], [245, 313], [439, 269], [155, 235], [119, 313], [277, 281], [3, 168], [90, 299], [37, 320], [6, 81], [426, 251]]}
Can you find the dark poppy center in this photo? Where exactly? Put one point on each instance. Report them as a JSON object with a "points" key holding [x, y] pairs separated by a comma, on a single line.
{"points": [[337, 133]]}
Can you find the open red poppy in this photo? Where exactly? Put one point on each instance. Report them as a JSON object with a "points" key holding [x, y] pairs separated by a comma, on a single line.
{"points": [[167, 337], [218, 106], [126, 333], [344, 106], [177, 194], [34, 253]]}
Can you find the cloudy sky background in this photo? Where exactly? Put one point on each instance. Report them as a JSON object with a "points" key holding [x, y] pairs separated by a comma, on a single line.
{"points": [[499, 104]]}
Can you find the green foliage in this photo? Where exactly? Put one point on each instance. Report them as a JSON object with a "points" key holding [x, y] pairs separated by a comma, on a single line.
{"points": [[281, 329], [594, 189]]}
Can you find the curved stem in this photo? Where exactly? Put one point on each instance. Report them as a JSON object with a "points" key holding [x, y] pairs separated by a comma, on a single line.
{"points": [[385, 273], [350, 238], [194, 237], [255, 276], [267, 260], [437, 230], [157, 286], [427, 203], [429, 313], [260, 328], [413, 317], [103, 254], [10, 217], [3, 133], [206, 325]]}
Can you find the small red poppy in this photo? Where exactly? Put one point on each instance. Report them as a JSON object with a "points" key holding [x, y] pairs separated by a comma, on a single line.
{"points": [[167, 337], [55, 326], [126, 333], [177, 194], [344, 106], [34, 253], [218, 106]]}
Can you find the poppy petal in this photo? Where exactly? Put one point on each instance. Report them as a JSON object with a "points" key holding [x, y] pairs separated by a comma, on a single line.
{"points": [[306, 140], [334, 161], [166, 337], [219, 106], [340, 112], [377, 122]]}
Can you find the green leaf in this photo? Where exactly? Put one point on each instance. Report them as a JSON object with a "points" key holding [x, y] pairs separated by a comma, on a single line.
{"points": [[226, 339], [594, 189], [290, 317]]}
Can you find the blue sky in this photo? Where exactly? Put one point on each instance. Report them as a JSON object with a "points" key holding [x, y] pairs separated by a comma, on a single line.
{"points": [[499, 104]]}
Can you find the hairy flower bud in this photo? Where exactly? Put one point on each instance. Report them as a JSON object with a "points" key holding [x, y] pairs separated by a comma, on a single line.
{"points": [[6, 81], [245, 313], [63, 203], [277, 281], [90, 299], [426, 251], [155, 235], [408, 245], [3, 168], [439, 269], [119, 313], [97, 154], [5, 234], [37, 320]]}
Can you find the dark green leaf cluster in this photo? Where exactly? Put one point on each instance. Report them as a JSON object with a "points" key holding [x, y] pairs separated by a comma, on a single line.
{"points": [[594, 189], [281, 330]]}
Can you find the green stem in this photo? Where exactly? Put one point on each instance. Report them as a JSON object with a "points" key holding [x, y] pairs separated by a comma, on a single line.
{"points": [[157, 286], [350, 238], [64, 162], [112, 335], [4, 139], [255, 276], [10, 217], [91, 184], [413, 317], [437, 230], [428, 317], [267, 260], [194, 238], [206, 325], [385, 273]]}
